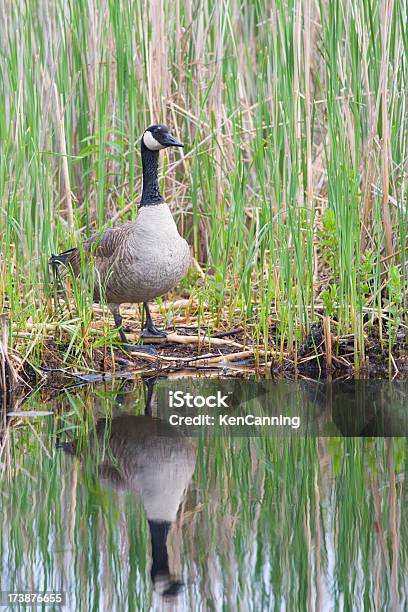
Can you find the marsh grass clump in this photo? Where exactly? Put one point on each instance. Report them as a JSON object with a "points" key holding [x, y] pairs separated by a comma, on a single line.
{"points": [[8, 374], [292, 190]]}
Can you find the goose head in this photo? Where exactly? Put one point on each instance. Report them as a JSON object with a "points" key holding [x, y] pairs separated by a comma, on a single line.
{"points": [[157, 137]]}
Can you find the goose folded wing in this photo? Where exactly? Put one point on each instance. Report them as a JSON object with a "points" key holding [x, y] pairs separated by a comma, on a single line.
{"points": [[103, 247]]}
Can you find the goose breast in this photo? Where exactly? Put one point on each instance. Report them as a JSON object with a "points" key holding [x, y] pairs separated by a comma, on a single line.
{"points": [[152, 261]]}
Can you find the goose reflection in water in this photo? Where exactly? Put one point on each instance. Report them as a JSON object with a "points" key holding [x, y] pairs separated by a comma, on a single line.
{"points": [[149, 457]]}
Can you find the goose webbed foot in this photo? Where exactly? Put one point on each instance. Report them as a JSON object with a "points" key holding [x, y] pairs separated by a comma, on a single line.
{"points": [[149, 329], [153, 332]]}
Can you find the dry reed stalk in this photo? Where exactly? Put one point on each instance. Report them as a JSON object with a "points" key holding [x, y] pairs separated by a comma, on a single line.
{"points": [[159, 72], [371, 131], [53, 327], [387, 7], [180, 339], [327, 341], [230, 357], [128, 310], [8, 375], [198, 268], [64, 160]]}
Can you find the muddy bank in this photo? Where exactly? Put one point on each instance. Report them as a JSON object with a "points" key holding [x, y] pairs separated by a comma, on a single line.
{"points": [[230, 352]]}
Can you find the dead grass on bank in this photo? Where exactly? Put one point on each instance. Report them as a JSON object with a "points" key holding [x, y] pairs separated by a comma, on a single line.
{"points": [[229, 348]]}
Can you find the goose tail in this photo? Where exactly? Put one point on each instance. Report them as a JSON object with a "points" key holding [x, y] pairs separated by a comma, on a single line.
{"points": [[62, 258]]}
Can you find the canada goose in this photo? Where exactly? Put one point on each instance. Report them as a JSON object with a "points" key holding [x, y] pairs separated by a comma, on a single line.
{"points": [[153, 459], [139, 260]]}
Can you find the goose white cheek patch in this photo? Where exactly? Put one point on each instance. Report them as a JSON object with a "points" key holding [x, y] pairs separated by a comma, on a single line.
{"points": [[150, 142]]}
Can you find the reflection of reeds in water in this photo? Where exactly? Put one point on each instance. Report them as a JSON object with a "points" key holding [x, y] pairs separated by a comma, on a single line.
{"points": [[9, 398], [385, 503], [265, 520]]}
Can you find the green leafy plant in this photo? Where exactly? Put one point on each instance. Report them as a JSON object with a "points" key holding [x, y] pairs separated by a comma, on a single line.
{"points": [[394, 302], [330, 300]]}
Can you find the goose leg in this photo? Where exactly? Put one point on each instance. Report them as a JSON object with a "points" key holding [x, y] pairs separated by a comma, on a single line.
{"points": [[114, 308], [150, 382], [150, 330]]}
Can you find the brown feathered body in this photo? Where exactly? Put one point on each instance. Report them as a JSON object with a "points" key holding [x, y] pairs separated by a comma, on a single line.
{"points": [[135, 262]]}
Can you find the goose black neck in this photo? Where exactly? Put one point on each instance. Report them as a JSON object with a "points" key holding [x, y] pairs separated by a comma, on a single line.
{"points": [[159, 530], [151, 194]]}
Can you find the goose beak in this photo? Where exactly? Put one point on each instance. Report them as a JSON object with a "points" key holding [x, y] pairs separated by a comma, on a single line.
{"points": [[169, 141]]}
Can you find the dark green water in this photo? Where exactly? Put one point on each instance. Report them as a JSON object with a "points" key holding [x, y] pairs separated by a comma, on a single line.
{"points": [[107, 502]]}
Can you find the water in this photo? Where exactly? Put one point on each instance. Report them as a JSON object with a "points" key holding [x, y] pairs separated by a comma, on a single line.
{"points": [[110, 504]]}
